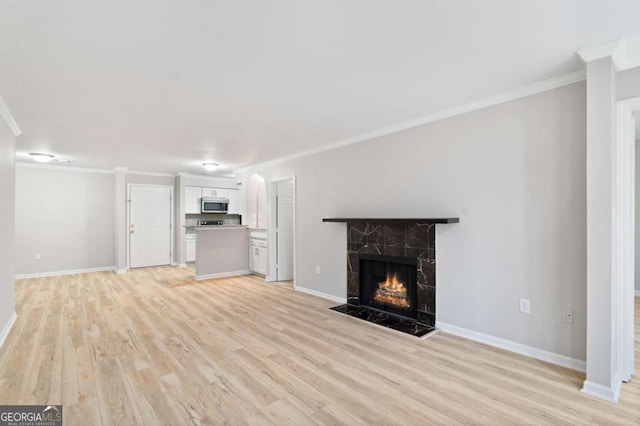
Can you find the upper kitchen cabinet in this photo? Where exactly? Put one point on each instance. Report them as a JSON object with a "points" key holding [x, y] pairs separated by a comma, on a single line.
{"points": [[256, 208], [214, 193], [192, 196], [234, 201], [262, 205]]}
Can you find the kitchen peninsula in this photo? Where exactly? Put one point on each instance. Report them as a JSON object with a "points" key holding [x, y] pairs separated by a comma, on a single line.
{"points": [[222, 251]]}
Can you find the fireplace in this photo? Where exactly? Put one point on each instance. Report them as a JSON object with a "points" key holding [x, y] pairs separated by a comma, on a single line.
{"points": [[391, 272], [389, 284]]}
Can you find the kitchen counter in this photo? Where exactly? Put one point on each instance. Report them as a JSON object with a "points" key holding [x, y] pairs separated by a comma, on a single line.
{"points": [[221, 251]]}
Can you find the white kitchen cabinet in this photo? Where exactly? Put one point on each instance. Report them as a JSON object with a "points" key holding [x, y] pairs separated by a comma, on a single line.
{"points": [[234, 201], [191, 248], [192, 195], [258, 260], [256, 207], [258, 253], [251, 203], [262, 206], [253, 258], [262, 261], [208, 192], [214, 193]]}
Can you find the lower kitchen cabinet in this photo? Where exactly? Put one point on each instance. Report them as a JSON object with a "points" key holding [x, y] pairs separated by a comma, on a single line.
{"points": [[258, 256], [191, 249], [258, 260]]}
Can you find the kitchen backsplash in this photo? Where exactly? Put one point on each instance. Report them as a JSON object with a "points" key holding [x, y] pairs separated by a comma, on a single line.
{"points": [[192, 220]]}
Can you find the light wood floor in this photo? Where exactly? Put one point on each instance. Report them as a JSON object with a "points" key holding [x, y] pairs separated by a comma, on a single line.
{"points": [[155, 347]]}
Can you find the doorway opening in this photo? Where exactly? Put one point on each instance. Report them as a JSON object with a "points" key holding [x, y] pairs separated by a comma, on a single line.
{"points": [[282, 230], [150, 225], [626, 227]]}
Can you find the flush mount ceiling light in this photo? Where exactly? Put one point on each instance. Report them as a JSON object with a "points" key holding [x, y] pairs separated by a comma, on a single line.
{"points": [[41, 158], [210, 166]]}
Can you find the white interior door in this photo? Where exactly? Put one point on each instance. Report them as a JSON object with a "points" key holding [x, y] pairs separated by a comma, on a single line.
{"points": [[284, 230], [149, 226]]}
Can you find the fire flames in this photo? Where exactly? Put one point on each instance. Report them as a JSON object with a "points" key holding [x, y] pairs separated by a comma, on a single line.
{"points": [[392, 291]]}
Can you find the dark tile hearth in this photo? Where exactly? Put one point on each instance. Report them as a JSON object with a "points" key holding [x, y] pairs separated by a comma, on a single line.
{"points": [[384, 319]]}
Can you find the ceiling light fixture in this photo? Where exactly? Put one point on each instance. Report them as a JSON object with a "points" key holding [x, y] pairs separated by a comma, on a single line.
{"points": [[41, 158], [210, 166]]}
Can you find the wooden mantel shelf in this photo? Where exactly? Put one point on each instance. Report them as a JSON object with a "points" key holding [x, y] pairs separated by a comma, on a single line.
{"points": [[394, 220]]}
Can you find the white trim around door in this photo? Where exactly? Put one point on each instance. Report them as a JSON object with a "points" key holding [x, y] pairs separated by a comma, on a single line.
{"points": [[273, 258], [172, 226], [625, 227]]}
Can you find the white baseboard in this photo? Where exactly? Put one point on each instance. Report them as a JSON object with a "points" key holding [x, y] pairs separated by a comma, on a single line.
{"points": [[320, 294], [551, 357], [637, 293], [121, 271], [70, 272], [221, 275], [182, 265], [603, 392], [7, 328]]}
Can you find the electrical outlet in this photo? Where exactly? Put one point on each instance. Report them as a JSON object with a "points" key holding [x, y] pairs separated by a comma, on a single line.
{"points": [[567, 316], [318, 270], [36, 256], [525, 306]]}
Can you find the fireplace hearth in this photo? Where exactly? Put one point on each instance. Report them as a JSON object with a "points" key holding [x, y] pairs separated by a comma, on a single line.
{"points": [[391, 272]]}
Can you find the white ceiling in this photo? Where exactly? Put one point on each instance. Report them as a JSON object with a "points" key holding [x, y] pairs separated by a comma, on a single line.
{"points": [[165, 86]]}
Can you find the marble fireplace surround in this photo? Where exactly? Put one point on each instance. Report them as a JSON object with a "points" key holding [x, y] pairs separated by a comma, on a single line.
{"points": [[414, 238]]}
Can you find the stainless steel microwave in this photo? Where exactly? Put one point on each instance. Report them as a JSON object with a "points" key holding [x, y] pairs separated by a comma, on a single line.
{"points": [[214, 205]]}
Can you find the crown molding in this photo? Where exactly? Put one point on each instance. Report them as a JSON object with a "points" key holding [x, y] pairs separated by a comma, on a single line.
{"points": [[202, 176], [624, 52], [90, 170], [8, 118], [20, 164], [115, 170], [511, 95], [143, 173]]}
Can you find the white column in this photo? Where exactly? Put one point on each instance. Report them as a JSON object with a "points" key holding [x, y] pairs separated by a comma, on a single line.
{"points": [[181, 256], [120, 212], [601, 378]]}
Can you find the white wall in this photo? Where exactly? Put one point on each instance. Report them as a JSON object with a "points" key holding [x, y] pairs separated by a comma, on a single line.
{"points": [[66, 216], [628, 83], [7, 230], [515, 175]]}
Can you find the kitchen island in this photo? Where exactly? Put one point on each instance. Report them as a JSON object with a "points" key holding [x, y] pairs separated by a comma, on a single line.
{"points": [[221, 251]]}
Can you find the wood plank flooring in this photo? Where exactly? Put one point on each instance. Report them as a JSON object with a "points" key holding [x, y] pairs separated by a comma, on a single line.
{"points": [[155, 347]]}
